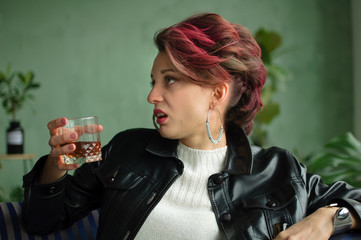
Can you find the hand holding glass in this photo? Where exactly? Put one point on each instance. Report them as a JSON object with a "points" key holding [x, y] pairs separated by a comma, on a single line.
{"points": [[88, 146]]}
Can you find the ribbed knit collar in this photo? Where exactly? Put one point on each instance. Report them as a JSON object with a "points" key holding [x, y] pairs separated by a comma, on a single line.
{"points": [[195, 158], [239, 156]]}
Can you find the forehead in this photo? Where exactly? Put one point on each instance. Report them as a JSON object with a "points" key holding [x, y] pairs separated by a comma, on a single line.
{"points": [[162, 62]]}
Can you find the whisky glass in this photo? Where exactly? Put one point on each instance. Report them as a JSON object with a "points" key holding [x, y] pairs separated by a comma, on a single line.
{"points": [[88, 146]]}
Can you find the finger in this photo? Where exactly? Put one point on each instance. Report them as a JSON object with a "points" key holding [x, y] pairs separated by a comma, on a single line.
{"points": [[93, 128], [67, 167], [63, 139], [59, 163], [66, 149], [90, 129], [55, 124], [58, 154]]}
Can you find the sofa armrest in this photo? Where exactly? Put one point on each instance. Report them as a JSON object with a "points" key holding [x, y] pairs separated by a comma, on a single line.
{"points": [[11, 225]]}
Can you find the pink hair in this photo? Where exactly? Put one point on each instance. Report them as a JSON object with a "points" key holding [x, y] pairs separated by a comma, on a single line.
{"points": [[210, 50]]}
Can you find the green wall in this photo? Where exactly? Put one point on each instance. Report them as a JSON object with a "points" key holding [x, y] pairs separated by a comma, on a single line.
{"points": [[356, 34], [94, 58]]}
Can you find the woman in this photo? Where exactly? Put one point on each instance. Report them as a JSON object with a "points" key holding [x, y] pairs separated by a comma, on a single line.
{"points": [[197, 177]]}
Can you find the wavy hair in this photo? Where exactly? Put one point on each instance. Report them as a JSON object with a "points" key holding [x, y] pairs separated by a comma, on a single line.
{"points": [[210, 50]]}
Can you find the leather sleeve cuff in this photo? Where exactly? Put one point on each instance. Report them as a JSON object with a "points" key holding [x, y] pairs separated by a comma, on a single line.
{"points": [[352, 205], [48, 190], [42, 190], [34, 174]]}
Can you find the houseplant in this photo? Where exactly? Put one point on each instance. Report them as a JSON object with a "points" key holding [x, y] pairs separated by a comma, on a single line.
{"points": [[269, 42], [15, 89], [339, 159]]}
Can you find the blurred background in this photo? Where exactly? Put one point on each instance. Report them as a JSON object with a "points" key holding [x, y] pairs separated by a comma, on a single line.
{"points": [[94, 58]]}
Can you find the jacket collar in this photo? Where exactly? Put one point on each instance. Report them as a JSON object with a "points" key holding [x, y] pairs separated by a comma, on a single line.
{"points": [[239, 155], [162, 147], [239, 159]]}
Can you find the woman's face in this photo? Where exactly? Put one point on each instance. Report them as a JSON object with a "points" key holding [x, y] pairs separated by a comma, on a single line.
{"points": [[180, 106]]}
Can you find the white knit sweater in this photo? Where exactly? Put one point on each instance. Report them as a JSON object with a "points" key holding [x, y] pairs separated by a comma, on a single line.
{"points": [[185, 211]]}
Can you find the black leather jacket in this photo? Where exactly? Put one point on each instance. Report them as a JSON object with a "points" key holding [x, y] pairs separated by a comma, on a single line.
{"points": [[257, 189]]}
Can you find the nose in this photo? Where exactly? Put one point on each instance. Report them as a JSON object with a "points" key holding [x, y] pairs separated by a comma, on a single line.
{"points": [[155, 95]]}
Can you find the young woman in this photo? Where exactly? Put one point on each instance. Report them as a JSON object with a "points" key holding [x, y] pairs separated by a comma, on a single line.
{"points": [[196, 176]]}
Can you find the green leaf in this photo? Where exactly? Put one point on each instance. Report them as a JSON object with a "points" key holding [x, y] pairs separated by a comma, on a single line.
{"points": [[340, 159], [16, 91], [14, 88], [35, 85], [329, 159], [22, 78], [30, 76], [267, 93], [346, 144], [8, 79], [5, 103], [2, 76], [268, 42], [269, 112]]}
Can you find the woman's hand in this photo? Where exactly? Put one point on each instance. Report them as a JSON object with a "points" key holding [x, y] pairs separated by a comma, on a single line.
{"points": [[60, 144], [317, 226], [54, 167]]}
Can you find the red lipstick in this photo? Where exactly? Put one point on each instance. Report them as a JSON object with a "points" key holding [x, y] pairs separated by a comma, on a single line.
{"points": [[160, 115]]}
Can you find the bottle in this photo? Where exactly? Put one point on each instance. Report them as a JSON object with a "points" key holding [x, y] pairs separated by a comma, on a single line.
{"points": [[15, 138]]}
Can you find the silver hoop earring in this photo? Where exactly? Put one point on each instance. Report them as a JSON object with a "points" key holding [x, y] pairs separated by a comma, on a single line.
{"points": [[154, 123], [209, 131]]}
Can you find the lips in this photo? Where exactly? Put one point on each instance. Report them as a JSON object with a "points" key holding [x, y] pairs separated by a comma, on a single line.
{"points": [[160, 115]]}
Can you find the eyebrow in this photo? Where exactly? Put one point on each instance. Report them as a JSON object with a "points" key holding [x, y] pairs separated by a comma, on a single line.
{"points": [[164, 71], [167, 70]]}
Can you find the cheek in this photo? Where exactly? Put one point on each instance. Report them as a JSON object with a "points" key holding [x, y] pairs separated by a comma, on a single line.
{"points": [[197, 109], [191, 105]]}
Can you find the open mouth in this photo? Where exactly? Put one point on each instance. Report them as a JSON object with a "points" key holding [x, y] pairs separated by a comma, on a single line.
{"points": [[160, 115]]}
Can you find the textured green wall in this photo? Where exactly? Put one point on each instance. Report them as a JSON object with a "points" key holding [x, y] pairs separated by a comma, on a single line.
{"points": [[356, 39], [94, 58]]}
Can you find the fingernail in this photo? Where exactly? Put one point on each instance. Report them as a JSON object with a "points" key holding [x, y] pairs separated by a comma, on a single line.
{"points": [[63, 121], [73, 136], [71, 147]]}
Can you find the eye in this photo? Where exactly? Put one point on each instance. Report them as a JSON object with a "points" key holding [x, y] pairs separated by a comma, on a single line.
{"points": [[170, 80], [151, 83]]}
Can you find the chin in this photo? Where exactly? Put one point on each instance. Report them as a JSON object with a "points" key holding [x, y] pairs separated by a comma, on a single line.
{"points": [[167, 134]]}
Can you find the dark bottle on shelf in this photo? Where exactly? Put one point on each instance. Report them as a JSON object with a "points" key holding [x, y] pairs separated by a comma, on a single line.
{"points": [[15, 138]]}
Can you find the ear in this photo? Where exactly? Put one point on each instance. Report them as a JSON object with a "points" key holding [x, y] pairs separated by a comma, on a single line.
{"points": [[220, 94]]}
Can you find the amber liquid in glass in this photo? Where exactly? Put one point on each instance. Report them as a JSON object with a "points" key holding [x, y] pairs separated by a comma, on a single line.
{"points": [[85, 152]]}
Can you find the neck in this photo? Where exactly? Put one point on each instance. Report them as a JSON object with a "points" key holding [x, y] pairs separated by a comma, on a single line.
{"points": [[203, 143]]}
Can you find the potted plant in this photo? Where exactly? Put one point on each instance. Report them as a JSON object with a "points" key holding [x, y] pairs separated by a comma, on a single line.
{"points": [[14, 91]]}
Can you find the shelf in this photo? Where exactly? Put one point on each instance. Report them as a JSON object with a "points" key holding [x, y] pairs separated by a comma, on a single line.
{"points": [[24, 156]]}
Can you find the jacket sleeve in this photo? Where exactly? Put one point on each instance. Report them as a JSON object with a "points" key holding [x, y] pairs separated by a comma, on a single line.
{"points": [[321, 194], [50, 207]]}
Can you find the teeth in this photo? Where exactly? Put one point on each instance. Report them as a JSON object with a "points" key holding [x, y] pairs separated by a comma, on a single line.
{"points": [[160, 115]]}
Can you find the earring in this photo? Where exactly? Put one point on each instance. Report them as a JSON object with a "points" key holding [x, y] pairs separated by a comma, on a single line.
{"points": [[154, 123], [209, 131]]}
